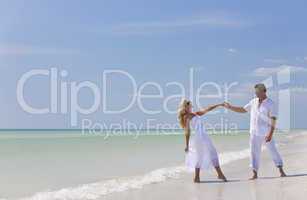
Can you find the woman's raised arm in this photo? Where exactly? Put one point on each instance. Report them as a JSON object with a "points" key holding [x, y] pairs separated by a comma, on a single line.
{"points": [[208, 109]]}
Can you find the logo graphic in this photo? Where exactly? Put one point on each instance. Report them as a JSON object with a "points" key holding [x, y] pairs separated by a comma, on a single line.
{"points": [[278, 83]]}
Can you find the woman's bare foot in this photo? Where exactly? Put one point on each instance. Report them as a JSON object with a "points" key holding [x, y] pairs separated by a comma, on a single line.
{"points": [[220, 174], [222, 177], [196, 180], [196, 176]]}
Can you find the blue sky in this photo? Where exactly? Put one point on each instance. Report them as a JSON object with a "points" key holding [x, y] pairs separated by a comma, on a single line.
{"points": [[225, 41]]}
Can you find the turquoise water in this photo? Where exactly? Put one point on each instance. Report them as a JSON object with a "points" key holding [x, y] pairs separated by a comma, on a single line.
{"points": [[36, 161]]}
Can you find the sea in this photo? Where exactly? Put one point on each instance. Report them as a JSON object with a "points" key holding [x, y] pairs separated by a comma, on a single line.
{"points": [[75, 164]]}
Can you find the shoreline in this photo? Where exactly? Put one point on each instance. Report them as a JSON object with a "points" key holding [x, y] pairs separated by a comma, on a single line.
{"points": [[269, 186]]}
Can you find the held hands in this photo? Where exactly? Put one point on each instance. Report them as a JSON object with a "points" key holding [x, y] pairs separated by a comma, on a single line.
{"points": [[226, 105]]}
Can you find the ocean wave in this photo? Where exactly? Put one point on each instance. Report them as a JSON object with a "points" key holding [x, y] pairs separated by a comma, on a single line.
{"points": [[95, 190], [297, 134]]}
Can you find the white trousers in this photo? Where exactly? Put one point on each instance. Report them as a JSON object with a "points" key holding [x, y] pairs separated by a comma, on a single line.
{"points": [[256, 143]]}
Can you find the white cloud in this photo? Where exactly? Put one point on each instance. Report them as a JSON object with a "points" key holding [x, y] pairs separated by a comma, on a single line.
{"points": [[246, 90], [243, 90], [276, 61], [267, 71], [232, 50], [298, 89], [246, 87], [301, 59], [14, 49], [168, 25]]}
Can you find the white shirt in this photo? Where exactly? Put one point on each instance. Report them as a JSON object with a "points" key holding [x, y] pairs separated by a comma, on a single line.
{"points": [[260, 116]]}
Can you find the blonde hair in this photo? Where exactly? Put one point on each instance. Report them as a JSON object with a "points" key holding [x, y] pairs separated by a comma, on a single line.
{"points": [[182, 111]]}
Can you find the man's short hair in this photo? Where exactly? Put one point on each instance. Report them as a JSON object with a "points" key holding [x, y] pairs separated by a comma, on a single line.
{"points": [[260, 86]]}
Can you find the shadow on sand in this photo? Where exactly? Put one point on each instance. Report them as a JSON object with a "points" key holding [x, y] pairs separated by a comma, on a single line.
{"points": [[288, 176], [220, 181], [242, 180]]}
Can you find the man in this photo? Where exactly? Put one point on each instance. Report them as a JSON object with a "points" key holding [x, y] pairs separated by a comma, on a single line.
{"points": [[262, 126]]}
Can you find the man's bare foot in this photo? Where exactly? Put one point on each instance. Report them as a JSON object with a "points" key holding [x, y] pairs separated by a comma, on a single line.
{"points": [[255, 175], [282, 173], [196, 180]]}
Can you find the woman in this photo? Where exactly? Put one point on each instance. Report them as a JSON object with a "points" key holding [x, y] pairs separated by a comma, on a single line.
{"points": [[201, 153]]}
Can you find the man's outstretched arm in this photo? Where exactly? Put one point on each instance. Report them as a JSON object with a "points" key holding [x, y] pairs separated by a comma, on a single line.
{"points": [[234, 108]]}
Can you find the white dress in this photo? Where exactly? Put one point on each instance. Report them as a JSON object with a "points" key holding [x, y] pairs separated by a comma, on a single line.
{"points": [[202, 153]]}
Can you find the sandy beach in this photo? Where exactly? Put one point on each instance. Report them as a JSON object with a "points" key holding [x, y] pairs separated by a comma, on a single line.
{"points": [[269, 186]]}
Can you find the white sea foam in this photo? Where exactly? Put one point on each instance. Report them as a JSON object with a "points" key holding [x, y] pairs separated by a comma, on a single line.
{"points": [[297, 134], [99, 189]]}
